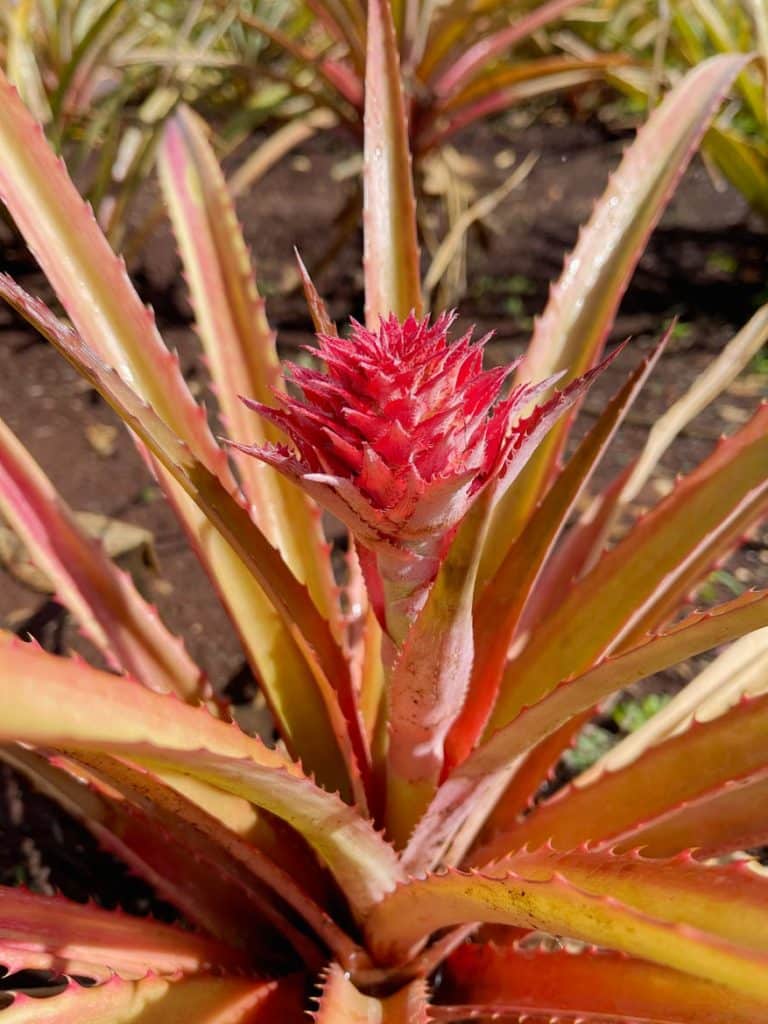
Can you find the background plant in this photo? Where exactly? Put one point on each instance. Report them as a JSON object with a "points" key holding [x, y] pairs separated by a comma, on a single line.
{"points": [[103, 75], [461, 64], [432, 700], [665, 40]]}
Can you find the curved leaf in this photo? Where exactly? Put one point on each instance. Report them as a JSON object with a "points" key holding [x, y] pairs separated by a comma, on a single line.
{"points": [[219, 853], [570, 334], [59, 703], [424, 694], [83, 933], [726, 820], [534, 770], [94, 289], [225, 904], [588, 985], [636, 585], [705, 389], [156, 1001], [245, 541], [491, 46], [711, 922], [694, 765], [479, 771], [736, 672], [502, 89], [571, 331], [89, 279], [503, 599], [104, 600]]}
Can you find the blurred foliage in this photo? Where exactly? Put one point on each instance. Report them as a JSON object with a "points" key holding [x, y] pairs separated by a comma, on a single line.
{"points": [[102, 76], [595, 740], [668, 37]]}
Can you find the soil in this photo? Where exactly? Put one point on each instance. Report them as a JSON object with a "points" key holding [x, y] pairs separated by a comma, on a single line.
{"points": [[704, 265]]}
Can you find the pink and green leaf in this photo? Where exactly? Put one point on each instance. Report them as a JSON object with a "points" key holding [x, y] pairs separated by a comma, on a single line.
{"points": [[497, 91], [83, 933], [573, 696], [221, 903], [214, 851], [575, 553], [571, 333], [153, 1000], [705, 762], [501, 604], [642, 579], [480, 54], [244, 543], [104, 600], [63, 704], [94, 289], [728, 819], [391, 254], [424, 694], [89, 279], [238, 342]]}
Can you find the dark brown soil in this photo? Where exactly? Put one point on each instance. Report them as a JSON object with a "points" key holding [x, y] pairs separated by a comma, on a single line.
{"points": [[704, 265]]}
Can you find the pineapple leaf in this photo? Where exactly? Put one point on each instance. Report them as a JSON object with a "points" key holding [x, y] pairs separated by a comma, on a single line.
{"points": [[153, 1000], [571, 333], [238, 342], [711, 922], [341, 1003], [75, 934], [126, 720], [391, 256], [232, 520], [643, 579], [724, 755], [503, 600], [590, 985], [694, 634], [104, 600]]}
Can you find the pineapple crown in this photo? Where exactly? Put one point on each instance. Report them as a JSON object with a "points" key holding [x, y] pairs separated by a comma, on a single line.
{"points": [[401, 431]]}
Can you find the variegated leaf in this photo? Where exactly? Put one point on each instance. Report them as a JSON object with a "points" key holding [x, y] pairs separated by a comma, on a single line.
{"points": [[483, 52], [502, 602], [238, 342], [48, 698], [85, 934], [642, 579], [247, 545], [477, 774], [214, 851], [570, 334], [103, 599], [62, 233], [391, 256], [219, 901], [711, 758], [589, 985], [426, 691], [711, 922], [152, 1000]]}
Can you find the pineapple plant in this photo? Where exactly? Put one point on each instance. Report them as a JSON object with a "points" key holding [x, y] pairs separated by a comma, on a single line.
{"points": [[386, 860]]}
